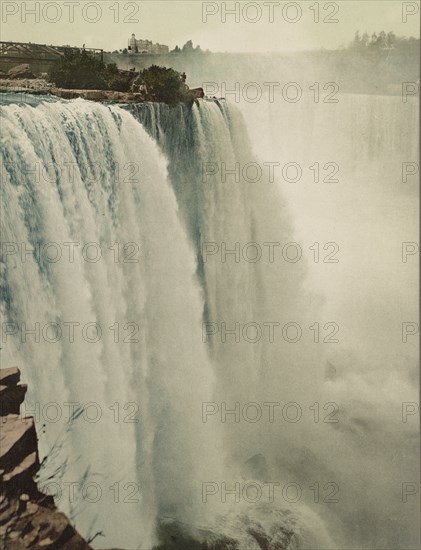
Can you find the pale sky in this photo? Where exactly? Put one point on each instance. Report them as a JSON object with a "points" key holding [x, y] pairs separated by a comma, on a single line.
{"points": [[108, 24]]}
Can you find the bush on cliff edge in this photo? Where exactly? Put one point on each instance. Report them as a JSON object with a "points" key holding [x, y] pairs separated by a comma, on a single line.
{"points": [[163, 84], [80, 69]]}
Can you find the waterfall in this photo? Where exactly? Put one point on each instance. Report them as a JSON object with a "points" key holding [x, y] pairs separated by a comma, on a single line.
{"points": [[151, 366], [207, 279], [363, 375]]}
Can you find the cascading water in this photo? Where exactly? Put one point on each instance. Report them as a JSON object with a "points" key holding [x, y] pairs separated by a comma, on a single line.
{"points": [[117, 192], [157, 363], [365, 371]]}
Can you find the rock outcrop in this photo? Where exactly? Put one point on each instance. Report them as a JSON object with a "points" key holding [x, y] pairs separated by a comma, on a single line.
{"points": [[234, 531], [21, 71], [197, 93], [28, 518], [40, 86]]}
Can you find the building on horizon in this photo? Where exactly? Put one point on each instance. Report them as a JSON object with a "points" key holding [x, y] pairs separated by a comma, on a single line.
{"points": [[145, 46]]}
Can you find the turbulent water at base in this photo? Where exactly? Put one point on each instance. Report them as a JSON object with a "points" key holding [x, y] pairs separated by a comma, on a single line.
{"points": [[151, 177]]}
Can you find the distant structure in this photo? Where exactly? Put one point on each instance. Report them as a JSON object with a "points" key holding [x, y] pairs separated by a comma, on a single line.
{"points": [[40, 57], [145, 46]]}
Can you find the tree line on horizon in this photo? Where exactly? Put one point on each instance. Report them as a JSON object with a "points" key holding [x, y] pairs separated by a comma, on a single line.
{"points": [[383, 41]]}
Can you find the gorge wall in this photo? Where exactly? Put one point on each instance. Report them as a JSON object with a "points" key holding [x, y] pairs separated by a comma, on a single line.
{"points": [[28, 517]]}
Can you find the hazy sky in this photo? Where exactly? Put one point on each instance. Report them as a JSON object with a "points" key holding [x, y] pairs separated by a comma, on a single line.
{"points": [[262, 26]]}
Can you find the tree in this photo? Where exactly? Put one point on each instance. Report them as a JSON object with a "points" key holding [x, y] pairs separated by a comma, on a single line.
{"points": [[365, 39], [390, 39], [80, 69], [163, 84], [381, 41], [188, 46], [356, 43], [117, 80]]}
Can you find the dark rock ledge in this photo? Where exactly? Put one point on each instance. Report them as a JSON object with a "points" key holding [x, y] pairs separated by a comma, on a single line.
{"points": [[42, 87], [28, 518]]}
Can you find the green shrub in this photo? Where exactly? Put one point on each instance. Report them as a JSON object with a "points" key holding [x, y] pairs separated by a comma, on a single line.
{"points": [[80, 70], [117, 80], [164, 84]]}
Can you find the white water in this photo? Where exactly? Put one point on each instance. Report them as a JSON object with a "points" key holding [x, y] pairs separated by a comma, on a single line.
{"points": [[167, 373], [370, 372], [170, 372], [370, 212]]}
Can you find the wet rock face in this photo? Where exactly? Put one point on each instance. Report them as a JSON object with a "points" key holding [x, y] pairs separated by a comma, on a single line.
{"points": [[21, 71], [198, 93], [174, 535], [234, 532], [12, 393], [28, 518]]}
